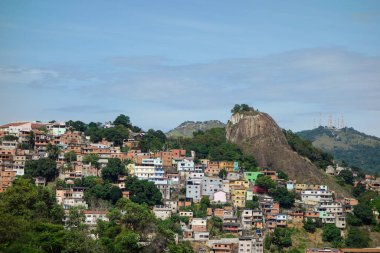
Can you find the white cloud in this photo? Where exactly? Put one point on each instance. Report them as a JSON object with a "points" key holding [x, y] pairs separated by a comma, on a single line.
{"points": [[287, 85]]}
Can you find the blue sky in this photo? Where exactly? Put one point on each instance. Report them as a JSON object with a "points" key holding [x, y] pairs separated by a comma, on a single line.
{"points": [[164, 62]]}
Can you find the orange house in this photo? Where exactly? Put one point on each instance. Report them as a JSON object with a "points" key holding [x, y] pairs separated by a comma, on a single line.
{"points": [[178, 153]]}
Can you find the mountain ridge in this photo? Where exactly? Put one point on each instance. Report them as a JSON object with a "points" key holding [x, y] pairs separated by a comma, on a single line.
{"points": [[348, 145], [187, 128]]}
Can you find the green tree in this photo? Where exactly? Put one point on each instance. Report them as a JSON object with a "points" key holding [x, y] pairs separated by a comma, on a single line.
{"points": [[152, 141], [70, 156], [76, 219], [222, 174], [283, 196], [76, 125], [250, 204], [305, 148], [353, 220], [122, 120], [347, 177], [182, 247], [44, 167], [116, 134], [113, 170], [309, 225], [215, 225], [358, 190], [143, 192], [331, 233], [363, 211], [79, 241], [127, 242], [241, 108], [375, 203], [357, 238], [136, 217], [282, 175], [282, 238], [53, 151], [31, 140], [265, 182], [10, 138], [367, 197]]}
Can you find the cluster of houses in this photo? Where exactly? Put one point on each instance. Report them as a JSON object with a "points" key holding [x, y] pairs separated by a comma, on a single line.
{"points": [[182, 182]]}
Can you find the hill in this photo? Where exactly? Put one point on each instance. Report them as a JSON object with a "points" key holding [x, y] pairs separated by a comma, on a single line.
{"points": [[257, 134], [347, 144], [187, 128]]}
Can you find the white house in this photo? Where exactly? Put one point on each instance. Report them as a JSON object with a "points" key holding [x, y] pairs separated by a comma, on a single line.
{"points": [[220, 197]]}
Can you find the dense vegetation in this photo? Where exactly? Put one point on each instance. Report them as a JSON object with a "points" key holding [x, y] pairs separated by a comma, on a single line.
{"points": [[212, 144], [31, 221], [305, 148], [242, 108], [44, 167], [347, 144], [117, 134]]}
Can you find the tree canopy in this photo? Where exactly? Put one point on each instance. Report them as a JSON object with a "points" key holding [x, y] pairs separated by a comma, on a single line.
{"points": [[331, 234], [265, 182], [113, 170], [44, 167], [143, 191], [241, 108], [305, 148]]}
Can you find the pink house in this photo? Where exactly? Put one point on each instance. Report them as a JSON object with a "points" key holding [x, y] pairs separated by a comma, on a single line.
{"points": [[220, 197]]}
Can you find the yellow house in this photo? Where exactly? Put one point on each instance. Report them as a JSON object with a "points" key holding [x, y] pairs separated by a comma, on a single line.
{"points": [[303, 187], [239, 183], [205, 162], [238, 197], [228, 166]]}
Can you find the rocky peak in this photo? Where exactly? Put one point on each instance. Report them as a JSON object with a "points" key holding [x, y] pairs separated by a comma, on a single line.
{"points": [[256, 133]]}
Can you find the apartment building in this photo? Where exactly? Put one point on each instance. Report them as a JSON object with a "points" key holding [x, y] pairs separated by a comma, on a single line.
{"points": [[312, 197], [249, 244], [211, 185], [6, 179]]}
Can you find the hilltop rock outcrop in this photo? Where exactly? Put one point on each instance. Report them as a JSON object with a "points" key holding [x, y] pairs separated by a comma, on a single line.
{"points": [[256, 133]]}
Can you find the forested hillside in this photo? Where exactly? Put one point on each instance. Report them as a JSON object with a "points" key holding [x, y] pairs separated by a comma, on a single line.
{"points": [[348, 145]]}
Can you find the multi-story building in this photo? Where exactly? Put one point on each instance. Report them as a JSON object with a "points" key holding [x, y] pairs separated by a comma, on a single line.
{"points": [[332, 212], [149, 169], [6, 179], [199, 225], [247, 219], [219, 247], [185, 165], [92, 216], [251, 245], [238, 196], [312, 197], [72, 197], [281, 220], [162, 211], [211, 185], [194, 186]]}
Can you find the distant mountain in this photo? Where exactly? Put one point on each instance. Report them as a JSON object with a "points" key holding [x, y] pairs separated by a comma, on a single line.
{"points": [[347, 144], [187, 128]]}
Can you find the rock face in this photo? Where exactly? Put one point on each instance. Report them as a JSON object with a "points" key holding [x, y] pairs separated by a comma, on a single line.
{"points": [[187, 128], [259, 135]]}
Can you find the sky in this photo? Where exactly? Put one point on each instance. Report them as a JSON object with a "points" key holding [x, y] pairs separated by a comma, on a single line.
{"points": [[165, 62]]}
